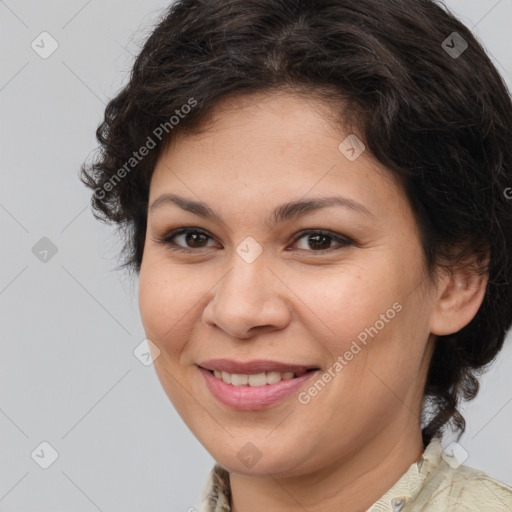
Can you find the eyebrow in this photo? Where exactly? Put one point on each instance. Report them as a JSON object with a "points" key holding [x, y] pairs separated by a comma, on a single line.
{"points": [[282, 213]]}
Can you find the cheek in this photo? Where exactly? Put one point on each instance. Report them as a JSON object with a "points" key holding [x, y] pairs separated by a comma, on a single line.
{"points": [[165, 297], [350, 303], [379, 343], [371, 326]]}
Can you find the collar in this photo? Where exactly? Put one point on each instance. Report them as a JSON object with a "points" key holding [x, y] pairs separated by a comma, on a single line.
{"points": [[410, 484]]}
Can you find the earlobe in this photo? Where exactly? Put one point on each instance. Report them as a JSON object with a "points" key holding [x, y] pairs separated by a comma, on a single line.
{"points": [[461, 293]]}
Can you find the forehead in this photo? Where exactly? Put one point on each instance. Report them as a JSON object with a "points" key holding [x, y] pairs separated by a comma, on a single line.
{"points": [[271, 145]]}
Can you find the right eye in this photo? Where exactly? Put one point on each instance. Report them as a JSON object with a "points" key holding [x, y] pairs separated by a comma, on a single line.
{"points": [[192, 239]]}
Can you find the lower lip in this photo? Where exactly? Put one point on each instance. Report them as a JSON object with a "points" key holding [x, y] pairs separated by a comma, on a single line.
{"points": [[250, 398]]}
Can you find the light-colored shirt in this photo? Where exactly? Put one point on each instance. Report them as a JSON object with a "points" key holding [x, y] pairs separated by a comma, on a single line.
{"points": [[435, 483]]}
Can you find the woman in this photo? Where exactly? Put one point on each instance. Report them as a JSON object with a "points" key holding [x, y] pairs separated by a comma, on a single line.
{"points": [[315, 201]]}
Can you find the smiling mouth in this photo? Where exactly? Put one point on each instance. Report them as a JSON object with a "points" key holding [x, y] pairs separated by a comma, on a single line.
{"points": [[257, 379]]}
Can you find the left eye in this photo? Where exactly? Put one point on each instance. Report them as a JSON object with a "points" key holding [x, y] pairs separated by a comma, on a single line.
{"points": [[194, 238], [321, 238]]}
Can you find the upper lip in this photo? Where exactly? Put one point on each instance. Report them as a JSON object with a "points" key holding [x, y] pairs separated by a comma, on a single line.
{"points": [[255, 366]]}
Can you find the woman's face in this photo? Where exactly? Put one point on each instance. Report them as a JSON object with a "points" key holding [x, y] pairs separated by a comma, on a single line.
{"points": [[259, 283]]}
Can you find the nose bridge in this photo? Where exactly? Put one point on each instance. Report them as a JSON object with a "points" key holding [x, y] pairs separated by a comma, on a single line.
{"points": [[248, 279], [247, 296]]}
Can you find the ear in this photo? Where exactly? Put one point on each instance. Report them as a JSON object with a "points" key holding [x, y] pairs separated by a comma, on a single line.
{"points": [[460, 294]]}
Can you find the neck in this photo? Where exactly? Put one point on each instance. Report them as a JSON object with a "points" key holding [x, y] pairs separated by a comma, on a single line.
{"points": [[351, 485]]}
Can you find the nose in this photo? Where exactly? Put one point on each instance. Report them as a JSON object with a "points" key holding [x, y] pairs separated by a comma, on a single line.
{"points": [[249, 299]]}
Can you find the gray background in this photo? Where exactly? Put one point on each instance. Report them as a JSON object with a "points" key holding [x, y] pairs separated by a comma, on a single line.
{"points": [[69, 325]]}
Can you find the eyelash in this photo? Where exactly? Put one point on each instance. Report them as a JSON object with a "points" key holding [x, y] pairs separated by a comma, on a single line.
{"points": [[166, 239]]}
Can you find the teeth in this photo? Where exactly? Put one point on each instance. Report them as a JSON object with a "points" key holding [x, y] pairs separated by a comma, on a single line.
{"points": [[258, 379], [273, 377], [237, 379], [254, 380]]}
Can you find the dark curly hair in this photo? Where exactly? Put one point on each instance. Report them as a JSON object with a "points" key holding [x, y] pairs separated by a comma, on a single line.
{"points": [[434, 112]]}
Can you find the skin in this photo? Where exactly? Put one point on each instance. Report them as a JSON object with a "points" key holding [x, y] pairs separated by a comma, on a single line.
{"points": [[298, 302]]}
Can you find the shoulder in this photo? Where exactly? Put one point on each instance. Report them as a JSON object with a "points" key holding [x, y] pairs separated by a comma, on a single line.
{"points": [[439, 483], [465, 489]]}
